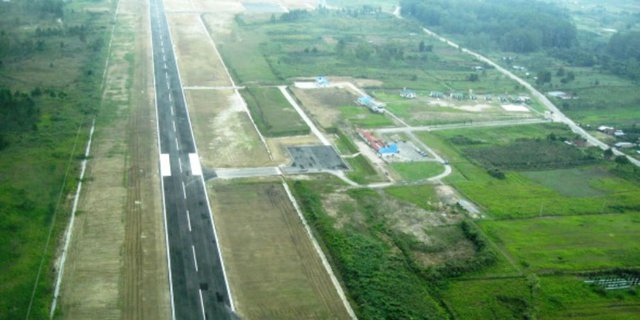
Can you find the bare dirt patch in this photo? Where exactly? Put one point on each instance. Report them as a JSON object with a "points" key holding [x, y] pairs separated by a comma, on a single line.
{"points": [[278, 146], [197, 59], [273, 270], [224, 133], [323, 103]]}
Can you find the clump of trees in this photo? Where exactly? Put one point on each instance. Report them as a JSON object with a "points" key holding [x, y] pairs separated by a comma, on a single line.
{"points": [[511, 25]]}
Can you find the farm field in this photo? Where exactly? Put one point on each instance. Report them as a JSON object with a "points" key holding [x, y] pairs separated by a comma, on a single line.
{"points": [[272, 113], [195, 53], [573, 243], [552, 297], [529, 194], [424, 110], [223, 131], [272, 267]]}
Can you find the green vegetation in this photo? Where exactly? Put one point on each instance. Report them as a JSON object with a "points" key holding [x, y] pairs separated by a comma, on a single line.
{"points": [[50, 75], [528, 195], [414, 171], [361, 170], [489, 299], [573, 182], [362, 117], [272, 113], [421, 195], [377, 275], [344, 144], [516, 25], [530, 155], [570, 243]]}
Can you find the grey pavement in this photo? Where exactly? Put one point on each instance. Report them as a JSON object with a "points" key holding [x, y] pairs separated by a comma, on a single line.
{"points": [[198, 286]]}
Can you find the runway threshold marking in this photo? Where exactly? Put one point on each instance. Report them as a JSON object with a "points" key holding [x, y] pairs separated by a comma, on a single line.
{"points": [[194, 161], [184, 191], [195, 259], [188, 220], [165, 165]]}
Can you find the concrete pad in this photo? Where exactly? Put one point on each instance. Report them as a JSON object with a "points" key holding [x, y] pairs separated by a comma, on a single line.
{"points": [[515, 108]]}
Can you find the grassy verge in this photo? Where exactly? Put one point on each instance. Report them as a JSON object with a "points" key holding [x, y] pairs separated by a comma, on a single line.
{"points": [[273, 114], [361, 170]]}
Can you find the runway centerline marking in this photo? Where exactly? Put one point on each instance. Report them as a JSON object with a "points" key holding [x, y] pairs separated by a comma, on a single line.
{"points": [[174, 125], [170, 97], [171, 108], [195, 260], [177, 144], [188, 220], [204, 315], [180, 165], [184, 191]]}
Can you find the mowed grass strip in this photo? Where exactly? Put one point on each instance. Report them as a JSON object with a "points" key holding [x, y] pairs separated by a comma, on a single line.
{"points": [[415, 171], [571, 243], [272, 113], [273, 270]]}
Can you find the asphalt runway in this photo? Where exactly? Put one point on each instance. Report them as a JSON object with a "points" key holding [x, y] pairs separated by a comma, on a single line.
{"points": [[198, 283]]}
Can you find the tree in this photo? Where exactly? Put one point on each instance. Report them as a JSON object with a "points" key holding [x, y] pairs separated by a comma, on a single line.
{"points": [[340, 47], [622, 160], [608, 153], [421, 47], [473, 77], [363, 51], [544, 76]]}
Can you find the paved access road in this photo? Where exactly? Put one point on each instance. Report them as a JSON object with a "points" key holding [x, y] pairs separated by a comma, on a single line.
{"points": [[198, 281]]}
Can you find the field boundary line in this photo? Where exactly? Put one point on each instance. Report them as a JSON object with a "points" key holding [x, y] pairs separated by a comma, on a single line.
{"points": [[321, 254], [235, 87]]}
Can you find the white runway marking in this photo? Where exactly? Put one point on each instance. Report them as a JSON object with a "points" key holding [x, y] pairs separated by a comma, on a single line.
{"points": [[166, 75], [184, 191], [180, 165], [204, 316], [165, 165], [195, 260], [168, 85], [174, 125], [172, 114], [196, 169], [165, 66], [170, 97], [177, 144], [188, 221]]}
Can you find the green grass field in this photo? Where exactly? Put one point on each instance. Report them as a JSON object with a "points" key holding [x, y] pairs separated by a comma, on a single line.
{"points": [[415, 171], [362, 117], [273, 114], [522, 196], [571, 243], [362, 171], [552, 297]]}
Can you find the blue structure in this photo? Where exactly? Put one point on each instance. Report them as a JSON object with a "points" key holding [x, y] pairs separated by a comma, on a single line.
{"points": [[322, 81], [388, 149]]}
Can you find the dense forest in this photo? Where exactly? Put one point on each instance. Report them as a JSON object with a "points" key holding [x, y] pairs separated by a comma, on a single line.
{"points": [[522, 26]]}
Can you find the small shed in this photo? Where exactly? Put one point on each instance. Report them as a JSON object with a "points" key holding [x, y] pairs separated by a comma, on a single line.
{"points": [[322, 82], [408, 94]]}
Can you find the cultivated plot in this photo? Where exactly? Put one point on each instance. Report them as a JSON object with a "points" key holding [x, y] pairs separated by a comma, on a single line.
{"points": [[272, 266], [223, 131]]}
